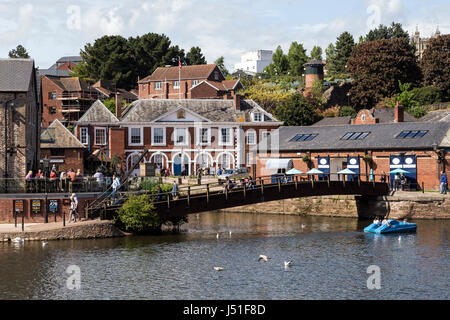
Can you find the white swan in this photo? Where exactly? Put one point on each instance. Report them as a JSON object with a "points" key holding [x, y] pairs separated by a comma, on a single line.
{"points": [[217, 235], [287, 264], [263, 257], [230, 233], [218, 268], [44, 243], [18, 239], [303, 226]]}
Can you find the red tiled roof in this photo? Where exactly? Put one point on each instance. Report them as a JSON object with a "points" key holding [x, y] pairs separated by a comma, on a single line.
{"points": [[201, 71]]}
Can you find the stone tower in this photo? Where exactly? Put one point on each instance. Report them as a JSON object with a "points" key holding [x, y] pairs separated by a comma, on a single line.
{"points": [[313, 72]]}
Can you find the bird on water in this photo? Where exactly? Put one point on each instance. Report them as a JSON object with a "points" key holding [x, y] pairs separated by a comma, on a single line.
{"points": [[263, 257], [287, 264], [218, 268]]}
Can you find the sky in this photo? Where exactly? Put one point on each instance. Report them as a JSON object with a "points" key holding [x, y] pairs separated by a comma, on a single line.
{"points": [[50, 29]]}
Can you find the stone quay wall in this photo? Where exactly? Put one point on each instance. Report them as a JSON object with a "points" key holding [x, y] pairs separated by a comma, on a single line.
{"points": [[402, 205]]}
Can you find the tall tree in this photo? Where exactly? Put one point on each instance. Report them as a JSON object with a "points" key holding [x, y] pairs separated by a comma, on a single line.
{"points": [[19, 52], [330, 53], [395, 30], [316, 53], [435, 64], [220, 62], [195, 56], [377, 67], [344, 47], [296, 111], [296, 58], [280, 63]]}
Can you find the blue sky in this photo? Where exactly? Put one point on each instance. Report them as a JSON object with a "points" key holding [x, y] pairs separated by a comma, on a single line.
{"points": [[49, 29]]}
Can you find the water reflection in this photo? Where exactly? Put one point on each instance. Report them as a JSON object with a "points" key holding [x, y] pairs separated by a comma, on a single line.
{"points": [[330, 258]]}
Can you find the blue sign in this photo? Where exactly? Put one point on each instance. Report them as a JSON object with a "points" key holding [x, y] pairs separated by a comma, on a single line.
{"points": [[353, 164], [404, 162], [324, 166]]}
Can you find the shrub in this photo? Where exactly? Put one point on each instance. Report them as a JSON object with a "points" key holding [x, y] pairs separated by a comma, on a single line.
{"points": [[138, 214], [418, 111], [426, 95], [347, 111]]}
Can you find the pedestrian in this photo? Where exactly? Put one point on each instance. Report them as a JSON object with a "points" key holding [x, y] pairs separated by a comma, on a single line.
{"points": [[396, 181], [383, 177], [115, 187], [53, 180], [100, 178], [63, 181], [175, 191], [29, 181], [402, 181], [444, 183], [73, 208]]}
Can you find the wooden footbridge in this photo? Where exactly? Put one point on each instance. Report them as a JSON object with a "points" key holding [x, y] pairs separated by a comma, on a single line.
{"points": [[210, 197]]}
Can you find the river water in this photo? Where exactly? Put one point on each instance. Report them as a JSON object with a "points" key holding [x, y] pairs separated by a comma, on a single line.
{"points": [[330, 261]]}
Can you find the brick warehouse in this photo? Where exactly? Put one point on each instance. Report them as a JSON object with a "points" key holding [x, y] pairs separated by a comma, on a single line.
{"points": [[20, 118], [420, 148]]}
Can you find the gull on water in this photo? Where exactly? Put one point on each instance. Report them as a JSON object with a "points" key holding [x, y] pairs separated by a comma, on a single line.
{"points": [[44, 243], [263, 257], [218, 268], [287, 264]]}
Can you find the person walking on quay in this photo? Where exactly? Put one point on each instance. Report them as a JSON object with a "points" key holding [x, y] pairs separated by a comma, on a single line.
{"points": [[402, 181], [444, 183], [175, 191], [73, 208], [396, 182]]}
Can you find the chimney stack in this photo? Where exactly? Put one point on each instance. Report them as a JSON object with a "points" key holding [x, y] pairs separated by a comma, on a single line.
{"points": [[398, 111], [118, 105], [237, 102]]}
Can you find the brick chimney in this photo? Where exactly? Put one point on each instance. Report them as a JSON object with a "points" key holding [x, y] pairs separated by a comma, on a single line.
{"points": [[398, 112], [237, 102], [118, 105]]}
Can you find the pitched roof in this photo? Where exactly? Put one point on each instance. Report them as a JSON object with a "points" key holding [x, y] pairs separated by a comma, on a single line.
{"points": [[437, 116], [98, 112], [15, 74], [333, 121], [216, 110], [71, 84], [201, 71], [72, 59], [58, 136], [381, 137]]}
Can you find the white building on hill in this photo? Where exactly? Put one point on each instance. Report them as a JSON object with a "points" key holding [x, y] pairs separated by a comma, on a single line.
{"points": [[253, 62]]}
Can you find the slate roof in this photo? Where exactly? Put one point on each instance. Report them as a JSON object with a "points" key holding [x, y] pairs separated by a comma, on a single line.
{"points": [[72, 59], [216, 110], [333, 121], [15, 74], [381, 137], [98, 112], [201, 71], [72, 84], [58, 136], [437, 116]]}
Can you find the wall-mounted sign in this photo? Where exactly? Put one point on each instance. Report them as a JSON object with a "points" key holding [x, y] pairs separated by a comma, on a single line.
{"points": [[53, 205], [36, 206], [18, 206]]}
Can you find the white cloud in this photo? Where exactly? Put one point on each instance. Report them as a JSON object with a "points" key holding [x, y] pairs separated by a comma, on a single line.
{"points": [[21, 27]]}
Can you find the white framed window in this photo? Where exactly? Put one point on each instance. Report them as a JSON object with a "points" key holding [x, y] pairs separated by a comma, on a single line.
{"points": [[251, 137], [158, 136], [84, 135], [258, 117], [143, 87], [216, 75], [265, 134], [176, 84], [225, 161], [100, 136], [204, 136], [194, 83], [158, 85], [226, 137], [135, 136], [181, 137]]}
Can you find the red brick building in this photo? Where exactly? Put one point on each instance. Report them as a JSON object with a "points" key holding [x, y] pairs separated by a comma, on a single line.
{"points": [[65, 99], [182, 135], [188, 82], [420, 148]]}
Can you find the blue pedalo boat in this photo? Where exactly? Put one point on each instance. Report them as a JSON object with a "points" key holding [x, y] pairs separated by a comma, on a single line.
{"points": [[393, 226]]}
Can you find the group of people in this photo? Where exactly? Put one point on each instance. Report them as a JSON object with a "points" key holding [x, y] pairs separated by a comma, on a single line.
{"points": [[399, 182], [41, 182], [231, 184]]}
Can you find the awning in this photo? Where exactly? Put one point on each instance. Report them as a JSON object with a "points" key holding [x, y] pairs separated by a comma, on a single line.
{"points": [[279, 164]]}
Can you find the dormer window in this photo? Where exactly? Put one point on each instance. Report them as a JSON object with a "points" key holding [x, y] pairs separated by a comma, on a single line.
{"points": [[257, 117], [216, 75]]}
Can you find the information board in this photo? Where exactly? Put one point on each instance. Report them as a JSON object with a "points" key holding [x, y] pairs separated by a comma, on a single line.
{"points": [[36, 206], [53, 205], [18, 206]]}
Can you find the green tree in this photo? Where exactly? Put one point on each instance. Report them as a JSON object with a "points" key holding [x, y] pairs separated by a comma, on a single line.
{"points": [[377, 67], [296, 111], [316, 53], [195, 56], [220, 62], [109, 58], [279, 65], [435, 64], [330, 53], [296, 58], [344, 47], [315, 96], [19, 52], [395, 30], [138, 214], [427, 95], [347, 111]]}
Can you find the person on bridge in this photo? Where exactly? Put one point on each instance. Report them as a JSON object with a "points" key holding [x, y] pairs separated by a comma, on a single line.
{"points": [[115, 187], [175, 191], [444, 183]]}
